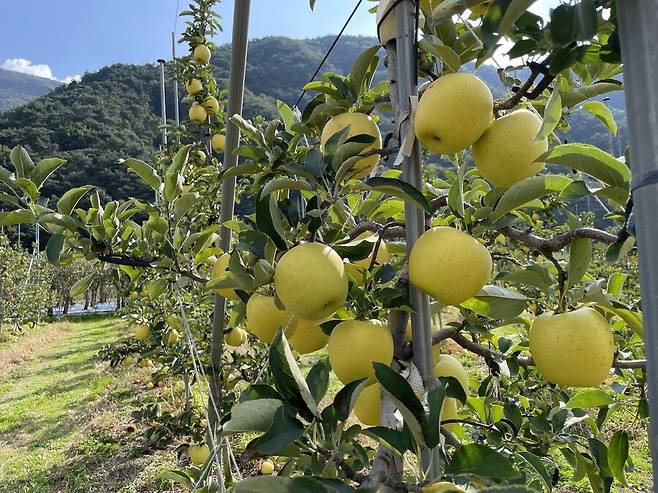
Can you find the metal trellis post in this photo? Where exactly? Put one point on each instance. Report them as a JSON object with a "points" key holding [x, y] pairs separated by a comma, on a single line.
{"points": [[173, 56], [414, 218], [235, 99], [637, 24], [163, 102]]}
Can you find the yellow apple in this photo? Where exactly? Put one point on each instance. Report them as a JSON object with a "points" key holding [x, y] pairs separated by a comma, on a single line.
{"points": [[382, 255], [506, 152], [387, 19], [359, 123], [218, 142], [368, 405], [436, 348], [142, 332], [234, 338], [198, 113], [127, 361], [202, 54], [211, 103], [449, 366], [134, 295], [150, 385], [449, 265], [453, 113], [310, 281], [443, 487], [267, 467], [448, 412], [194, 86], [199, 454], [573, 349], [173, 337], [264, 318], [218, 269], [308, 337], [145, 362], [355, 344]]}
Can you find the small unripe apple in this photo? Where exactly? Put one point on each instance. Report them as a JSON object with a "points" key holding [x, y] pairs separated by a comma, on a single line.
{"points": [[127, 361], [198, 113], [202, 54], [234, 338], [173, 337], [194, 86], [264, 318], [267, 468], [201, 155], [218, 270], [142, 332], [218, 142], [199, 454]]}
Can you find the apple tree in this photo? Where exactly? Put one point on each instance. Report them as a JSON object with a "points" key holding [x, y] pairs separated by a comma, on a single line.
{"points": [[537, 337]]}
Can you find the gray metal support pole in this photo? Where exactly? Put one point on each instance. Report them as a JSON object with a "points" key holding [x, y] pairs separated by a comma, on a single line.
{"points": [[414, 218], [163, 102], [173, 57], [638, 20], [235, 100]]}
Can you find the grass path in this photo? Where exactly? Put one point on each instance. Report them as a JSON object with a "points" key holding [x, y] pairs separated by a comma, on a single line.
{"points": [[65, 417]]}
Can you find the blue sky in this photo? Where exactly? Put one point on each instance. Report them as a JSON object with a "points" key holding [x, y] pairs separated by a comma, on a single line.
{"points": [[65, 38]]}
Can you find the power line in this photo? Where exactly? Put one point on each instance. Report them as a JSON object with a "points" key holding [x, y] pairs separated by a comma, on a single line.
{"points": [[331, 48]]}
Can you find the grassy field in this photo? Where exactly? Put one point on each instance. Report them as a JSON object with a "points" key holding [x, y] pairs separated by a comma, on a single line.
{"points": [[65, 421], [65, 417]]}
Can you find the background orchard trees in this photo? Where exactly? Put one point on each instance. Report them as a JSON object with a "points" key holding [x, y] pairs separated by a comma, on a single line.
{"points": [[325, 175]]}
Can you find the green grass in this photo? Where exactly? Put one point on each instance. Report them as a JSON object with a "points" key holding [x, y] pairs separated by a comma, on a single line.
{"points": [[65, 417]]}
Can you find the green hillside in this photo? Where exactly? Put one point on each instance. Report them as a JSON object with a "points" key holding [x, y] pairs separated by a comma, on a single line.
{"points": [[17, 88], [113, 113]]}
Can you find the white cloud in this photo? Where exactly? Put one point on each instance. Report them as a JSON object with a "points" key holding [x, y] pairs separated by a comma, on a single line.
{"points": [[27, 67], [71, 78]]}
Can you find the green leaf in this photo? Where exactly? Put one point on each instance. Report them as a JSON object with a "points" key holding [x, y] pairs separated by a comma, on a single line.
{"points": [[618, 455], [145, 172], [529, 189], [497, 302], [405, 400], [21, 161], [474, 458], [514, 10], [534, 275], [591, 160], [180, 477], [536, 463], [44, 169], [252, 416], [82, 285], [281, 484], [284, 431], [318, 379], [286, 115], [552, 116], [180, 160], [268, 221], [589, 398], [285, 184], [456, 192], [29, 188], [54, 248], [70, 199], [400, 189], [603, 113], [584, 93], [573, 22], [362, 71], [399, 441], [288, 378], [580, 256], [20, 216], [436, 396]]}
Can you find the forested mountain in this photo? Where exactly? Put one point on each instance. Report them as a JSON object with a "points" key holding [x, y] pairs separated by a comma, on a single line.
{"points": [[113, 113], [17, 88]]}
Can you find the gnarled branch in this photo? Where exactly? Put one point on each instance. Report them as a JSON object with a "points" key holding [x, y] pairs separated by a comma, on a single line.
{"points": [[558, 242]]}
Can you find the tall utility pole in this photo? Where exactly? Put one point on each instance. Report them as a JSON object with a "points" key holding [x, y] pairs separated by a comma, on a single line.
{"points": [[163, 101], [173, 57], [637, 23], [235, 99]]}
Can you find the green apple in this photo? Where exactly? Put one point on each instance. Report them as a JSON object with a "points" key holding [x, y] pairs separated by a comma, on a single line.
{"points": [[449, 265], [454, 112], [198, 113], [310, 281], [573, 349], [264, 318], [355, 344], [202, 54], [358, 123], [507, 152]]}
